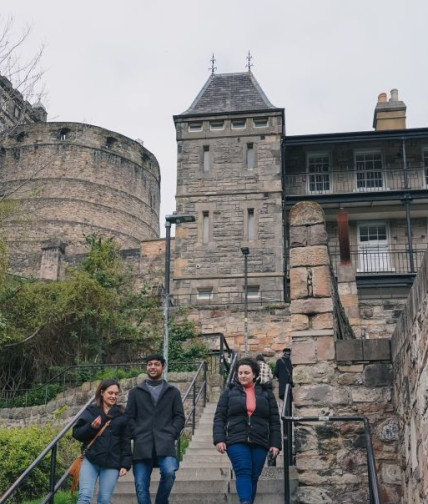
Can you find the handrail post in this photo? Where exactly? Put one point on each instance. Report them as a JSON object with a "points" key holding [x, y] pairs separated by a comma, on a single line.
{"points": [[194, 408], [52, 474], [205, 382], [286, 444]]}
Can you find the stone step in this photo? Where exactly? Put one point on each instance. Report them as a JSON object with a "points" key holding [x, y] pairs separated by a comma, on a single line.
{"points": [[189, 498]]}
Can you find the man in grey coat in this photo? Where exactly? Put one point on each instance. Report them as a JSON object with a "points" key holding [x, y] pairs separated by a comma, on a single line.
{"points": [[156, 418]]}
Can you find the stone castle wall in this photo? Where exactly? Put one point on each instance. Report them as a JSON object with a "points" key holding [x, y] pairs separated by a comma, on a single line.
{"points": [[72, 180], [409, 345]]}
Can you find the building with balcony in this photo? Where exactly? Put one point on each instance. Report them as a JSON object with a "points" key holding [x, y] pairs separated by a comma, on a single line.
{"points": [[373, 187]]}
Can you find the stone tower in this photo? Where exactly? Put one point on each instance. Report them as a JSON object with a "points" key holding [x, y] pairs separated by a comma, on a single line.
{"points": [[229, 177]]}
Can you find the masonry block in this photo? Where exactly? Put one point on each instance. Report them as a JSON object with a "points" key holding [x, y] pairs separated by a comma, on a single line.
{"points": [[349, 350], [378, 375], [376, 349], [321, 281], [298, 283], [316, 255], [311, 306], [325, 348]]}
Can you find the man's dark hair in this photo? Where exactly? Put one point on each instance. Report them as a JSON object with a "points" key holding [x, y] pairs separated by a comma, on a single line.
{"points": [[288, 350], [246, 361], [260, 358], [153, 357]]}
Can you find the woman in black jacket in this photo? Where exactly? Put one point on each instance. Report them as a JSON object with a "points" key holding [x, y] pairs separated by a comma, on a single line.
{"points": [[247, 426], [110, 456]]}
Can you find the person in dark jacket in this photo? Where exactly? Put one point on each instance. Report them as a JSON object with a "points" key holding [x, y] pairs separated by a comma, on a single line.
{"points": [[110, 456], [284, 371], [156, 419], [247, 427]]}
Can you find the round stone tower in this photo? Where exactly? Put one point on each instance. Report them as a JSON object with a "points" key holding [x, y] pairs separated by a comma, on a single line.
{"points": [[71, 180]]}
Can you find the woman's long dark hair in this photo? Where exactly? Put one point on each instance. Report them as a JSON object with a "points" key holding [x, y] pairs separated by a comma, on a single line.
{"points": [[104, 385]]}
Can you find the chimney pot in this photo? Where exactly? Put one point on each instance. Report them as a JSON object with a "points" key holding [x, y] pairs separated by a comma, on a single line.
{"points": [[394, 95], [381, 98]]}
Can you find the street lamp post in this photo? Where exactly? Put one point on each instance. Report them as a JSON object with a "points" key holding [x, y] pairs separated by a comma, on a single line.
{"points": [[169, 219], [245, 251]]}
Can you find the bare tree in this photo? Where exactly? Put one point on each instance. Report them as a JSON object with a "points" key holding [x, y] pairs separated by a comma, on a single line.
{"points": [[20, 76]]}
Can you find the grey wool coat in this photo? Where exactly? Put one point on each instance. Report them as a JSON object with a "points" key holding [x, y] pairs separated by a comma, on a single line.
{"points": [[154, 428]]}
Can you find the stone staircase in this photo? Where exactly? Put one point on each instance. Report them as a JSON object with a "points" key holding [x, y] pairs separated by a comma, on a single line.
{"points": [[205, 476]]}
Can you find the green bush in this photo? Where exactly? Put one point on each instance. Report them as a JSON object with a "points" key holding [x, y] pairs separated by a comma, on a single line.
{"points": [[39, 394], [19, 447], [60, 498]]}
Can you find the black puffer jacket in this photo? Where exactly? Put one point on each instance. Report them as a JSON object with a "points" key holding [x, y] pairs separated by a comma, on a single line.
{"points": [[113, 448], [233, 425]]}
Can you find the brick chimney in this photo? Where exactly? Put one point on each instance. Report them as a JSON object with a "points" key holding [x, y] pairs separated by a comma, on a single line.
{"points": [[389, 115]]}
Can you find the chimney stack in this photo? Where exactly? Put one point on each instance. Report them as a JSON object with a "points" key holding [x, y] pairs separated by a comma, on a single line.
{"points": [[389, 115]]}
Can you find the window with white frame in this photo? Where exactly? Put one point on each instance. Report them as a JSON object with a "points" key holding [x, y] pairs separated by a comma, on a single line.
{"points": [[373, 247], [368, 168], [260, 122], [206, 157], [205, 293], [250, 156], [238, 124], [216, 125], [426, 166], [195, 126], [319, 172], [251, 224], [253, 291], [205, 227]]}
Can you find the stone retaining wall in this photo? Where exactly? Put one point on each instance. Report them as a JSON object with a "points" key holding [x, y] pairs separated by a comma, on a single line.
{"points": [[409, 346]]}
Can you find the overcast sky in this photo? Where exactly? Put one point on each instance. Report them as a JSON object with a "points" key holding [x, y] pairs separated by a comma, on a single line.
{"points": [[129, 66]]}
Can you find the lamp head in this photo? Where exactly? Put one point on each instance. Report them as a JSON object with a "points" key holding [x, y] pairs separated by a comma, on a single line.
{"points": [[245, 250]]}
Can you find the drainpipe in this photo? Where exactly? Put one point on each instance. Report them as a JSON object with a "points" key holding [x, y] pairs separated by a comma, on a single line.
{"points": [[284, 221], [406, 201]]}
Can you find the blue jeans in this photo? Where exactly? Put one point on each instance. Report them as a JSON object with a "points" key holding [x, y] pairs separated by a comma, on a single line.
{"points": [[89, 473], [247, 462], [142, 473]]}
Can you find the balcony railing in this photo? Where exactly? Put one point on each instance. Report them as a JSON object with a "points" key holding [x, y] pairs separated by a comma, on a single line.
{"points": [[262, 298], [380, 260], [350, 180]]}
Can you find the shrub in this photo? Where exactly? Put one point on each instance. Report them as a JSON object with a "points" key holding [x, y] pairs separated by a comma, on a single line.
{"points": [[19, 448]]}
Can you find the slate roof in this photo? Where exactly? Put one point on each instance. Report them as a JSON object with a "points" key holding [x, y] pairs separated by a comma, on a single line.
{"points": [[233, 92]]}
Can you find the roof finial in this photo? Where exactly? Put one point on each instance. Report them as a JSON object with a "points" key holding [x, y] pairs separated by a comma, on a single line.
{"points": [[249, 64], [213, 68]]}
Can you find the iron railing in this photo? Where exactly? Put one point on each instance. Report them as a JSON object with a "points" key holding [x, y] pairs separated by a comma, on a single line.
{"points": [[287, 418], [51, 449], [68, 378], [196, 391], [381, 260], [348, 179], [261, 298]]}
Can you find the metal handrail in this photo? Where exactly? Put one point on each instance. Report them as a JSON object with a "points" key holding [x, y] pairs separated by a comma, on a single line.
{"points": [[232, 369], [52, 447], [62, 374], [288, 419], [195, 400]]}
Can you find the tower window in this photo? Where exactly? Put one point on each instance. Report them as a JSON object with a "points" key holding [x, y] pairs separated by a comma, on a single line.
{"points": [[251, 224], [216, 125], [205, 227], [250, 156], [63, 133], [238, 124], [253, 291], [260, 122], [195, 126], [206, 151]]}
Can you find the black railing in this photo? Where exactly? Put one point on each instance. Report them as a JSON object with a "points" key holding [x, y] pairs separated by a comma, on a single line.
{"points": [[51, 449], [70, 377], [261, 298], [381, 260], [196, 391], [374, 493], [347, 179]]}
